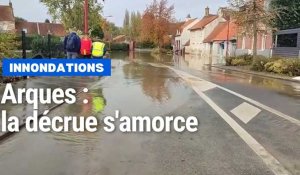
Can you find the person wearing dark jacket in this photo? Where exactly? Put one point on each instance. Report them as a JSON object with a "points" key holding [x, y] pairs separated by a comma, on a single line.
{"points": [[72, 45]]}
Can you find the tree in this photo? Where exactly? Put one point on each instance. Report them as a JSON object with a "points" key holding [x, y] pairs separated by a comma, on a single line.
{"points": [[126, 23], [131, 25], [135, 25], [19, 19], [71, 12], [8, 45], [97, 32], [287, 14], [47, 21], [115, 30], [251, 16], [155, 22]]}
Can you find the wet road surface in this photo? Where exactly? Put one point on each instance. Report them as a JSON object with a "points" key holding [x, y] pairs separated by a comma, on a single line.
{"points": [[248, 124]]}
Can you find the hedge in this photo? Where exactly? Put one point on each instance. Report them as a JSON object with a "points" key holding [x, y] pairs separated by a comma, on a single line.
{"points": [[118, 46], [286, 66], [39, 46], [242, 60], [278, 65]]}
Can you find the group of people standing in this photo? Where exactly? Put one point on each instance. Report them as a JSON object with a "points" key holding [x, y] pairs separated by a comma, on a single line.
{"points": [[75, 47]]}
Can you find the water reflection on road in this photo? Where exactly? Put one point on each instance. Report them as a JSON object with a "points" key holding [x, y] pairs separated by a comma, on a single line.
{"points": [[214, 74], [135, 88]]}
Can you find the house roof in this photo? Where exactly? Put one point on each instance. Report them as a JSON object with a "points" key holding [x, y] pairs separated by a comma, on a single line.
{"points": [[41, 28], [6, 13], [187, 23], [173, 28], [204, 21], [221, 31], [119, 37], [187, 43]]}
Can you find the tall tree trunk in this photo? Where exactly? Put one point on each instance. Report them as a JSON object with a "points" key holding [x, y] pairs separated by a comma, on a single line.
{"points": [[254, 39], [254, 29]]}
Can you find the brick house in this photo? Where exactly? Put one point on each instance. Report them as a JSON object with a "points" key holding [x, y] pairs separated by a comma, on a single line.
{"points": [[7, 19], [264, 39], [8, 23]]}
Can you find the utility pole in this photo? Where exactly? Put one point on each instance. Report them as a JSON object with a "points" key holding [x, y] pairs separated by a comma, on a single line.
{"points": [[227, 45], [86, 17]]}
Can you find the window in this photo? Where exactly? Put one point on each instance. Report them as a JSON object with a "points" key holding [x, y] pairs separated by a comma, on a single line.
{"points": [[287, 40]]}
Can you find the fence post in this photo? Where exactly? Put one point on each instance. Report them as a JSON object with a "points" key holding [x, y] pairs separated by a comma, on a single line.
{"points": [[49, 45], [23, 44]]}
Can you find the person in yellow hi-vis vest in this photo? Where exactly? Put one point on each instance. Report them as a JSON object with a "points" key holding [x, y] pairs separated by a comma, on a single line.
{"points": [[98, 49]]}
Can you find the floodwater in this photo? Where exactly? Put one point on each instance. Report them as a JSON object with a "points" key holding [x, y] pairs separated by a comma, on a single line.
{"points": [[135, 89]]}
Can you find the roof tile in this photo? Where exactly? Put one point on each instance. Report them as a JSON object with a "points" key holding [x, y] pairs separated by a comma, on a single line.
{"points": [[204, 21], [221, 31], [6, 13]]}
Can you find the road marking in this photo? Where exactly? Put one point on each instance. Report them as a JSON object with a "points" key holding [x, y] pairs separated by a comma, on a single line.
{"points": [[256, 103], [271, 162], [246, 112], [267, 108]]}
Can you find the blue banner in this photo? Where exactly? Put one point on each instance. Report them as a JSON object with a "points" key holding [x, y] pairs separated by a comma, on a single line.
{"points": [[56, 67]]}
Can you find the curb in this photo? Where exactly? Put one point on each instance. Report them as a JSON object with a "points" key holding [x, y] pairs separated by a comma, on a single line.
{"points": [[256, 73]]}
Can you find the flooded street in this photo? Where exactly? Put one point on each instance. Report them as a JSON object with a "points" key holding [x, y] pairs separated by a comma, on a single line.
{"points": [[146, 85]]}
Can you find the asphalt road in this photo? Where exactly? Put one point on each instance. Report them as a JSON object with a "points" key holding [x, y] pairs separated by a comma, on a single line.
{"points": [[247, 124]]}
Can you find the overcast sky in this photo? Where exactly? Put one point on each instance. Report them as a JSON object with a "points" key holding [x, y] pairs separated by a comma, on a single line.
{"points": [[33, 10]]}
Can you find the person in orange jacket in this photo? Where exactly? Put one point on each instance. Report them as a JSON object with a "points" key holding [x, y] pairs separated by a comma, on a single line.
{"points": [[86, 47]]}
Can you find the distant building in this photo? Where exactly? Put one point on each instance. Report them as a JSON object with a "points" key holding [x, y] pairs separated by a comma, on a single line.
{"points": [[120, 39], [169, 39], [264, 44], [7, 19], [43, 29], [264, 39], [8, 23], [222, 42], [183, 35], [287, 43], [201, 30]]}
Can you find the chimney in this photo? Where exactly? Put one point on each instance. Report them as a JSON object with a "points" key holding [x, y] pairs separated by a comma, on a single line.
{"points": [[188, 17], [206, 11], [10, 4]]}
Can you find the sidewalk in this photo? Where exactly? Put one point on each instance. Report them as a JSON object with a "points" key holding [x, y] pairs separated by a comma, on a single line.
{"points": [[264, 74]]}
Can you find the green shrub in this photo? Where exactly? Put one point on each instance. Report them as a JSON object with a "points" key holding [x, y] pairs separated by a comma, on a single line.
{"points": [[145, 45], [157, 51], [238, 62], [39, 45], [247, 59], [286, 66], [8, 45], [228, 60], [28, 41], [118, 46], [258, 63], [241, 60]]}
